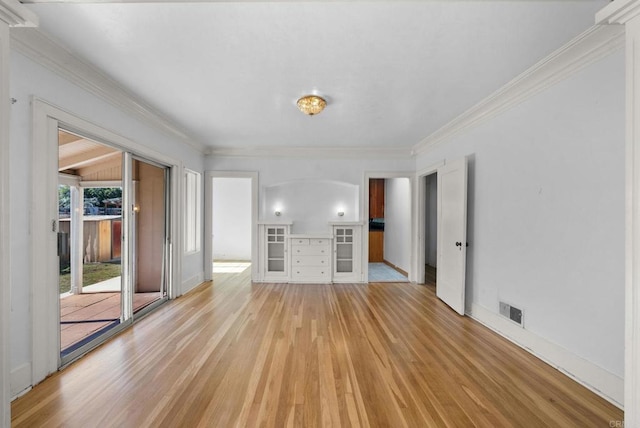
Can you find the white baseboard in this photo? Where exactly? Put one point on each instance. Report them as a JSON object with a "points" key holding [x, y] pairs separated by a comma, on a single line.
{"points": [[595, 378], [20, 380], [190, 283]]}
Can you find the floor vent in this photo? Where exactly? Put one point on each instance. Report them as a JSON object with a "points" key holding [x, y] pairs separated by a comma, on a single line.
{"points": [[513, 313]]}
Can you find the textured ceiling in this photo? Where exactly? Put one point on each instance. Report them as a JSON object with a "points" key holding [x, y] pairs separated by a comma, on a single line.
{"points": [[392, 72]]}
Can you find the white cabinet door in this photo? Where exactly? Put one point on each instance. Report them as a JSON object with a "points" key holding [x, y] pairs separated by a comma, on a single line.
{"points": [[275, 251], [346, 250], [452, 234]]}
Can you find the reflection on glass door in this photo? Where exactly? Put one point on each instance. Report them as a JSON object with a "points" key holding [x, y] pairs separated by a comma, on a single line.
{"points": [[149, 237]]}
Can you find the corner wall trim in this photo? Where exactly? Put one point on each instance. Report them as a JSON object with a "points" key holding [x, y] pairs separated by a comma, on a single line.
{"points": [[595, 378], [20, 380], [585, 49]]}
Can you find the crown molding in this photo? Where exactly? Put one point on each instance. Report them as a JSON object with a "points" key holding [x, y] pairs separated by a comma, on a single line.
{"points": [[37, 46], [618, 12], [587, 48], [315, 152], [16, 15]]}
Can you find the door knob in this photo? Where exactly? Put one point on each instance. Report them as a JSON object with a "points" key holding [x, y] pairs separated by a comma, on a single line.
{"points": [[458, 244]]}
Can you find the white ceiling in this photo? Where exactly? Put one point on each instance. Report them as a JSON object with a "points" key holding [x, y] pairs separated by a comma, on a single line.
{"points": [[392, 72]]}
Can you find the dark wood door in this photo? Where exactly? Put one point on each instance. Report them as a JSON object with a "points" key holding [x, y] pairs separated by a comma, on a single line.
{"points": [[376, 198]]}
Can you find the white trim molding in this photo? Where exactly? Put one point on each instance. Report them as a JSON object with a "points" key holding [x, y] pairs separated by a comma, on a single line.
{"points": [[315, 152], [600, 381], [5, 229], [37, 46], [587, 48], [627, 13], [16, 15]]}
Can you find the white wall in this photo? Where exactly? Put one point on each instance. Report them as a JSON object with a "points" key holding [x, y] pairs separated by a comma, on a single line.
{"points": [[29, 79], [231, 202], [311, 204], [397, 222], [431, 220], [546, 212]]}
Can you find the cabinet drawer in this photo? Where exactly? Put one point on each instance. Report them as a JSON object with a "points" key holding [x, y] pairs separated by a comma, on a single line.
{"points": [[309, 261], [304, 272], [300, 241], [310, 250], [319, 241]]}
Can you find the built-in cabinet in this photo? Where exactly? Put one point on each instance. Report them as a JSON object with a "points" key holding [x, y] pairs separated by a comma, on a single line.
{"points": [[310, 258], [274, 250]]}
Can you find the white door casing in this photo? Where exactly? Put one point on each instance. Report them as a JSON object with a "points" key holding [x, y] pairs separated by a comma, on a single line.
{"points": [[452, 234]]}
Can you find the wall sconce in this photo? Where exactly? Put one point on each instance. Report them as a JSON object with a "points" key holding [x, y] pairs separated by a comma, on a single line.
{"points": [[277, 213], [340, 213]]}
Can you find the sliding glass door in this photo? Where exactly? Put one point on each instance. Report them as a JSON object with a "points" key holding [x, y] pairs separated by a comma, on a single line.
{"points": [[113, 220]]}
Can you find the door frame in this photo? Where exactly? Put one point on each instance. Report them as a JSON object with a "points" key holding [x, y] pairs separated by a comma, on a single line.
{"points": [[5, 229], [364, 203], [45, 308], [420, 195], [208, 218]]}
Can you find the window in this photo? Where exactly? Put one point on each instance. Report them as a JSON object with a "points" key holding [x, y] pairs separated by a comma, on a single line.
{"points": [[192, 207]]}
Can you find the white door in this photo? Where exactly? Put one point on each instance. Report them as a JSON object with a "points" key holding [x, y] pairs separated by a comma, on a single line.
{"points": [[452, 233]]}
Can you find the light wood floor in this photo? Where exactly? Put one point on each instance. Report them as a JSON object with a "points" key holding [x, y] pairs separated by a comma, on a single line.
{"points": [[277, 355]]}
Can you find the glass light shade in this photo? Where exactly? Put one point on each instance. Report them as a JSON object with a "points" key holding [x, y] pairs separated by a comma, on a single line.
{"points": [[311, 104]]}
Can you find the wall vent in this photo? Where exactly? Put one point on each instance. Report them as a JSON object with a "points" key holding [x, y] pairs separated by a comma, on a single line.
{"points": [[511, 312]]}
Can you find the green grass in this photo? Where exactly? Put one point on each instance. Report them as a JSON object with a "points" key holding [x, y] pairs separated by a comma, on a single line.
{"points": [[91, 273]]}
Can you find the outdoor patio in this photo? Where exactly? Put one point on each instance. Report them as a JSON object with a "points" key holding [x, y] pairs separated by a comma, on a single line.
{"points": [[83, 315]]}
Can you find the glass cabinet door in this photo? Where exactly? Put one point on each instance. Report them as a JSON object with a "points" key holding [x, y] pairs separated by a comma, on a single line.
{"points": [[344, 249], [275, 249]]}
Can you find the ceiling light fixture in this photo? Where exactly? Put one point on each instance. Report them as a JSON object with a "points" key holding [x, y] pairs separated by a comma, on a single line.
{"points": [[311, 104]]}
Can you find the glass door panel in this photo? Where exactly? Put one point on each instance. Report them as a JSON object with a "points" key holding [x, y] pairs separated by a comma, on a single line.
{"points": [[150, 231], [89, 216]]}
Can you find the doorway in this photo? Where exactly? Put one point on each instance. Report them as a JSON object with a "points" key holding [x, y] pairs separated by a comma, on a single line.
{"points": [[430, 229], [118, 152], [390, 225], [94, 295], [231, 212], [231, 224], [444, 186]]}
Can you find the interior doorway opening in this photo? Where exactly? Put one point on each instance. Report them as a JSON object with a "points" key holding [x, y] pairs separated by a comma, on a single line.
{"points": [[431, 229], [389, 229], [231, 220]]}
